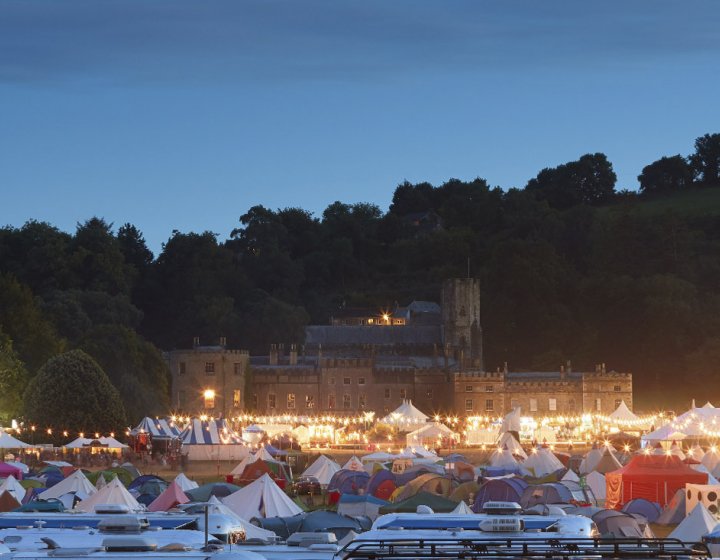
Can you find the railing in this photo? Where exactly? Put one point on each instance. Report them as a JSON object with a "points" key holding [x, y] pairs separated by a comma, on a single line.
{"points": [[407, 548]]}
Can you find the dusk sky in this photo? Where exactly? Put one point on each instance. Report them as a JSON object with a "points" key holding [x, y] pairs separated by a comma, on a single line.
{"points": [[172, 114]]}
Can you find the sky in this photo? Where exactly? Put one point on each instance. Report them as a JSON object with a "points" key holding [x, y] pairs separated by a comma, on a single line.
{"points": [[182, 115]]}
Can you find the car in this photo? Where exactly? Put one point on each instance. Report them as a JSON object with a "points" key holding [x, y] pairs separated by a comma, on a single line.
{"points": [[307, 485]]}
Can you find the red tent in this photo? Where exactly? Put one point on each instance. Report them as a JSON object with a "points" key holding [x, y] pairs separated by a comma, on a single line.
{"points": [[7, 470], [172, 496], [653, 477]]}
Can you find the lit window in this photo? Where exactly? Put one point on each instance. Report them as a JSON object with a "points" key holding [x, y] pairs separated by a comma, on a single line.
{"points": [[598, 404], [489, 388], [272, 400], [468, 405], [552, 404], [236, 398], [291, 400], [346, 401], [210, 368], [309, 401], [489, 406], [533, 405], [209, 396]]}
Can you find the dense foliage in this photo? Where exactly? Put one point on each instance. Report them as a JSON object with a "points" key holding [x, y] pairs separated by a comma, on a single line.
{"points": [[71, 392], [570, 269]]}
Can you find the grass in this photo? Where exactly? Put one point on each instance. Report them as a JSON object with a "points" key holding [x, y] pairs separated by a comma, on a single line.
{"points": [[695, 202]]}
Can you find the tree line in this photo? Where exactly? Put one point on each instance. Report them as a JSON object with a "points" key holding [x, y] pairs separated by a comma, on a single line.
{"points": [[570, 268]]}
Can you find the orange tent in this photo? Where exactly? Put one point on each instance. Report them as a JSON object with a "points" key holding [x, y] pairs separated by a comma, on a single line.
{"points": [[653, 477], [171, 497]]}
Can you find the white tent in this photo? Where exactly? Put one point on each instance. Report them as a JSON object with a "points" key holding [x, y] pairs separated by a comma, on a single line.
{"points": [[14, 488], [676, 450], [420, 451], [711, 459], [240, 467], [542, 461], [406, 415], [513, 445], [462, 509], [261, 498], [481, 436], [696, 453], [185, 483], [77, 483], [701, 468], [323, 469], [571, 476], [700, 522], [691, 424], [252, 433], [101, 442], [215, 506], [596, 482], [100, 482], [9, 442], [354, 464], [591, 459], [511, 421], [113, 493], [503, 459], [623, 414], [429, 434], [378, 457]]}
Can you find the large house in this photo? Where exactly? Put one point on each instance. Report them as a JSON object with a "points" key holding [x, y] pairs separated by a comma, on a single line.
{"points": [[370, 360]]}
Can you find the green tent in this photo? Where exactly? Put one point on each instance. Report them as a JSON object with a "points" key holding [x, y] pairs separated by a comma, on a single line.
{"points": [[437, 503]]}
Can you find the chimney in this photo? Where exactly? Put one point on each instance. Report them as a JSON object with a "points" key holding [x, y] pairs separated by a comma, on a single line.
{"points": [[196, 341], [223, 341], [562, 372], [293, 355], [568, 366], [273, 355], [319, 354], [603, 367], [281, 350], [505, 368]]}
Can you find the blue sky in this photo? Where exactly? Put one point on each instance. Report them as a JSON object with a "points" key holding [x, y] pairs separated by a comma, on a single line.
{"points": [[172, 114]]}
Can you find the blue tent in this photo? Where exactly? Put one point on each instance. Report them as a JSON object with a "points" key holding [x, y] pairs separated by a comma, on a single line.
{"points": [[377, 479], [649, 510], [274, 451], [548, 493], [140, 480], [499, 489], [411, 473], [158, 428], [348, 482]]}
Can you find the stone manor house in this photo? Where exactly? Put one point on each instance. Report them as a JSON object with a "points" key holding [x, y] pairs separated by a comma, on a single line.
{"points": [[370, 360]]}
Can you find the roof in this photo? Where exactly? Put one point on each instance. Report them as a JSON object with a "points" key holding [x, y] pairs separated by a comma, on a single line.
{"points": [[418, 306], [380, 335], [542, 375]]}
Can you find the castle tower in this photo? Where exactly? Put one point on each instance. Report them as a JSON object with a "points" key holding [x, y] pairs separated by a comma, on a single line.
{"points": [[461, 319]]}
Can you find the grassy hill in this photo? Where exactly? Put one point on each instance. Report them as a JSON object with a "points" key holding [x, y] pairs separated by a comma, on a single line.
{"points": [[692, 203]]}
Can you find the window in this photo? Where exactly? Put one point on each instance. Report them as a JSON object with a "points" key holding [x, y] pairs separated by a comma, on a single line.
{"points": [[489, 388], [617, 388], [387, 393], [209, 368], [362, 401], [181, 368], [429, 393], [237, 368], [514, 403], [361, 381], [346, 401], [291, 400], [468, 405], [309, 401], [182, 399], [346, 381], [254, 401], [236, 398], [598, 404], [489, 407], [209, 400], [618, 402], [403, 393], [571, 404], [272, 400], [331, 400], [468, 388], [552, 404], [331, 380], [533, 405]]}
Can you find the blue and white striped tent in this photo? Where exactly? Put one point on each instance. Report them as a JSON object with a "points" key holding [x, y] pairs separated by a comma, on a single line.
{"points": [[158, 428], [214, 431]]}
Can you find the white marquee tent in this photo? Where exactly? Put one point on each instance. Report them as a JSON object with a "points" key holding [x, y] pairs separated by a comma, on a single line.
{"points": [[405, 416], [429, 434]]}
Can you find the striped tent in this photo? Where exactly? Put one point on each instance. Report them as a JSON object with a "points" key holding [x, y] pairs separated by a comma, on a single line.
{"points": [[158, 428], [213, 431]]}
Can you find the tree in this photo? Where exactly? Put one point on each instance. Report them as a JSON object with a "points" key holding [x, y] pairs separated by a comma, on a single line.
{"points": [[13, 379], [705, 161], [666, 174], [589, 180], [34, 337], [96, 258], [72, 392]]}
